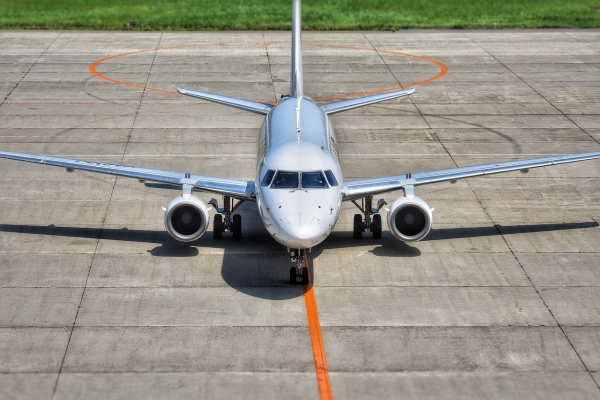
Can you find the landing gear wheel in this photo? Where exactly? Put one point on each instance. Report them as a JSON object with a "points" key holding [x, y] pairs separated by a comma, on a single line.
{"points": [[236, 227], [376, 226], [293, 275], [218, 227], [358, 228], [304, 276]]}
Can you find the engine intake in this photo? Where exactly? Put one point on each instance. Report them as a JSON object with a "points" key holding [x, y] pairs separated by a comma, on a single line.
{"points": [[410, 219], [186, 218]]}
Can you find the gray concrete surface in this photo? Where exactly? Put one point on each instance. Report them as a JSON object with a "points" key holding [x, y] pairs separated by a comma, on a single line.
{"points": [[501, 300]]}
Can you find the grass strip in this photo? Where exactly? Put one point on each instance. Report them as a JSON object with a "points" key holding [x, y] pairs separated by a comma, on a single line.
{"points": [[151, 15]]}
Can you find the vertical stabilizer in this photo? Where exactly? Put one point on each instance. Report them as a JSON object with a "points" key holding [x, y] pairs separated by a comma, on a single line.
{"points": [[296, 80]]}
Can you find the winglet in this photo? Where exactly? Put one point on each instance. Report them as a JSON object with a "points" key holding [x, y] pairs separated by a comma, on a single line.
{"points": [[344, 105], [248, 105]]}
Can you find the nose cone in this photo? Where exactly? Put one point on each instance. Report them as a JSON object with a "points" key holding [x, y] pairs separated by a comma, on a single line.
{"points": [[302, 230], [303, 226]]}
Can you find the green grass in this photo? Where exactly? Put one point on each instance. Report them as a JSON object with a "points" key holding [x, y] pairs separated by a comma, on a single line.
{"points": [[276, 14]]}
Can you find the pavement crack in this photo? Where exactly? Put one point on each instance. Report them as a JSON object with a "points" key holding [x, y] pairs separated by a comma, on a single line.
{"points": [[535, 91], [30, 68], [270, 67], [103, 225]]}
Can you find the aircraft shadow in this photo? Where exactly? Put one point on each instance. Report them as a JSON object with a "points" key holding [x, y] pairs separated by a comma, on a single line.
{"points": [[257, 265], [497, 230], [335, 240]]}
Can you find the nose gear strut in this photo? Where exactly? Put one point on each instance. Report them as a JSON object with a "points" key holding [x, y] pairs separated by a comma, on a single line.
{"points": [[300, 270]]}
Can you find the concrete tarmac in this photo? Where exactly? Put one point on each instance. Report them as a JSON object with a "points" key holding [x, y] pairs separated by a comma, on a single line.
{"points": [[501, 300]]}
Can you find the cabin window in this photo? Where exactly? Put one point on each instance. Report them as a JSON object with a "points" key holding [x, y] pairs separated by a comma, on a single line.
{"points": [[313, 180], [286, 180], [266, 181], [331, 178]]}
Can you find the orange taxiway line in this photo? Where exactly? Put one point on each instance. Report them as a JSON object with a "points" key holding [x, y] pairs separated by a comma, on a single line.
{"points": [[443, 69], [97, 74], [316, 339]]}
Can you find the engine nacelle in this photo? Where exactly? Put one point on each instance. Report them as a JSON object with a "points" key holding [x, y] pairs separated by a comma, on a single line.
{"points": [[410, 218], [186, 218]]}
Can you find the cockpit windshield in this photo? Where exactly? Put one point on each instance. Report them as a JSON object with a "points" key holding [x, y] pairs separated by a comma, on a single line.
{"points": [[286, 180], [292, 180], [268, 178], [313, 180], [331, 178]]}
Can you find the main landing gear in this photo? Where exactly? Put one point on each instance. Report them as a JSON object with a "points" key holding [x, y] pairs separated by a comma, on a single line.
{"points": [[371, 221], [223, 220], [300, 270]]}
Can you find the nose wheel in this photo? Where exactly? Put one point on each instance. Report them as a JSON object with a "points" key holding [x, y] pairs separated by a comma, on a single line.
{"points": [[371, 220], [300, 270]]}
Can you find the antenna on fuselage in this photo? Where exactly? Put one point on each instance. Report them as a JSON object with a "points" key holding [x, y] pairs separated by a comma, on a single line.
{"points": [[298, 100]]}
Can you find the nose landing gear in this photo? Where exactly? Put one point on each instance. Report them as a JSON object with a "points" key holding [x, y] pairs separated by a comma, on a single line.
{"points": [[223, 220], [300, 270], [371, 221]]}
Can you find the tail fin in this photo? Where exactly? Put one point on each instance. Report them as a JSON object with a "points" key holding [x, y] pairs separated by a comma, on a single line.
{"points": [[296, 81]]}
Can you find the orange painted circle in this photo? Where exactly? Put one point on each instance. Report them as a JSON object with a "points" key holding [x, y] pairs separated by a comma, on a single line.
{"points": [[443, 68]]}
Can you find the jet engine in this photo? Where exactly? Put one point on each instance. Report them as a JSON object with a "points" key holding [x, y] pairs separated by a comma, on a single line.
{"points": [[186, 218], [410, 218]]}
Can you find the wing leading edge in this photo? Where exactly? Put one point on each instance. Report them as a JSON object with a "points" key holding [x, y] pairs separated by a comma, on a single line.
{"points": [[369, 187], [227, 187]]}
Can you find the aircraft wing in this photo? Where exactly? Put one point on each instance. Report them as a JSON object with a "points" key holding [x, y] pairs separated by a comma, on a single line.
{"points": [[226, 187], [369, 187]]}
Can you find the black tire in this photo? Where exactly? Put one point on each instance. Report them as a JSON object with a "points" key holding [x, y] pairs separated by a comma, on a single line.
{"points": [[293, 275], [376, 226], [236, 227], [358, 223], [218, 227], [304, 276]]}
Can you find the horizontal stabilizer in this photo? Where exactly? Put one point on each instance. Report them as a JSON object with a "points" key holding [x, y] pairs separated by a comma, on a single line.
{"points": [[344, 105], [248, 105]]}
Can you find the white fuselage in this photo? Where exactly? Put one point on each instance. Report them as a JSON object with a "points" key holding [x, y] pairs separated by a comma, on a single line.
{"points": [[301, 202]]}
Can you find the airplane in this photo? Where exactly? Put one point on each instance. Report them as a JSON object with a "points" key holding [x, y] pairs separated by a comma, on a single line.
{"points": [[299, 186]]}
